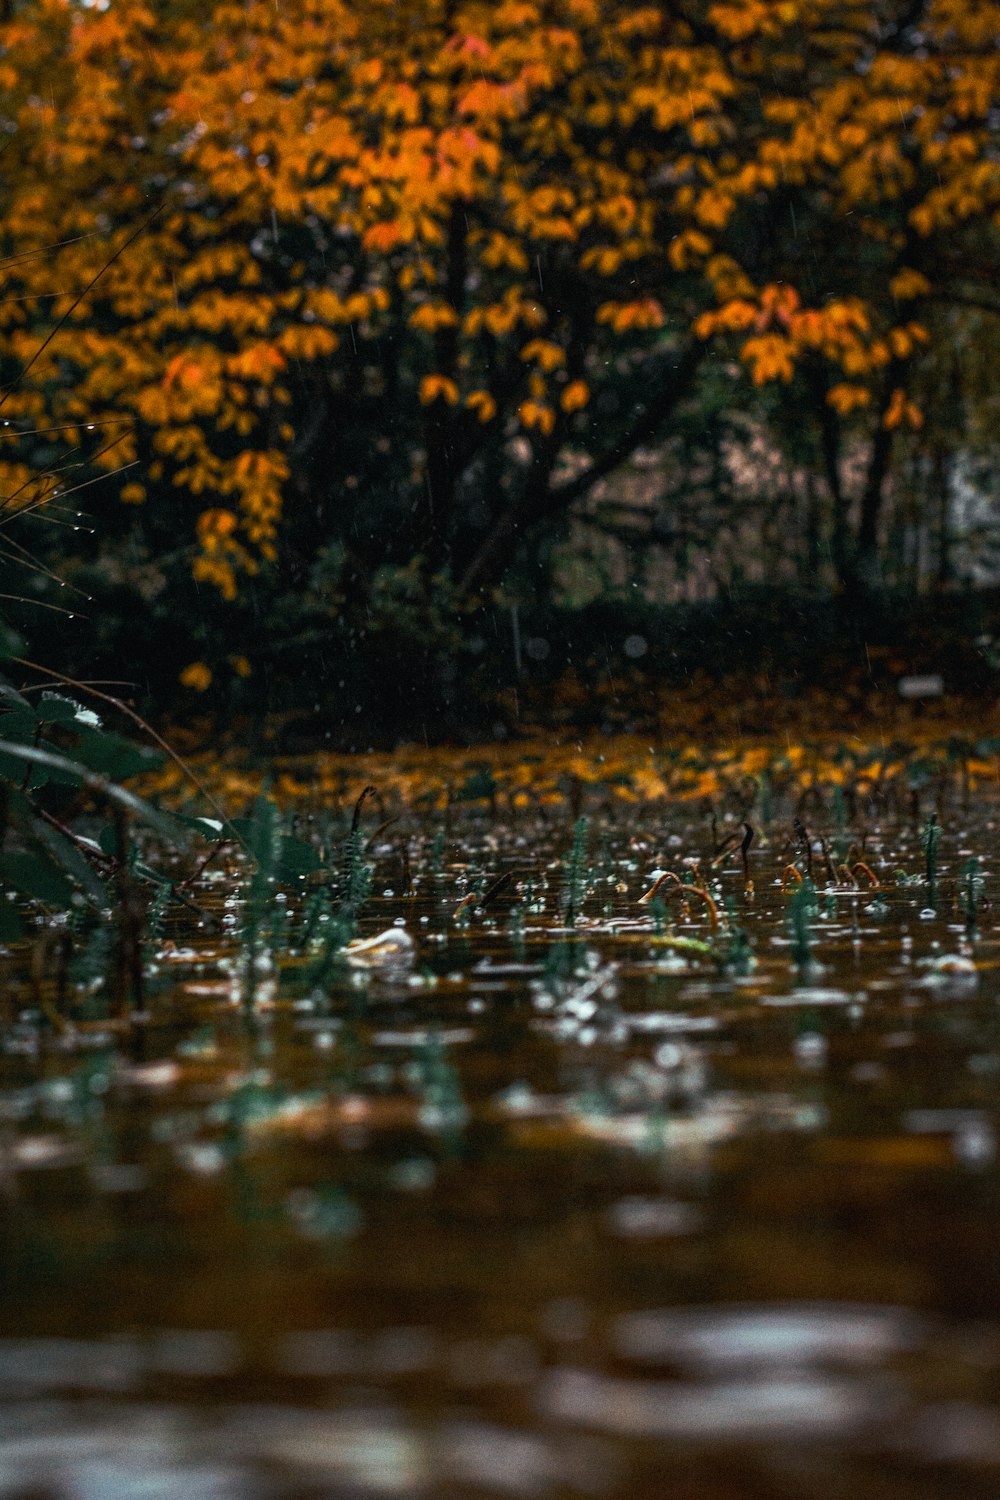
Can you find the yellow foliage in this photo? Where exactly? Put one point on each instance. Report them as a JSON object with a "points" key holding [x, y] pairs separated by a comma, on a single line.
{"points": [[643, 313], [846, 398], [381, 238], [536, 414], [770, 357], [732, 317], [483, 404], [575, 396], [197, 676], [908, 284], [546, 355], [500, 168], [685, 249], [214, 526], [438, 387], [902, 412], [430, 316], [307, 342]]}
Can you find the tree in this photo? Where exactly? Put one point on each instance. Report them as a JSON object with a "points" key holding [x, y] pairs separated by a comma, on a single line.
{"points": [[878, 120], [412, 278]]}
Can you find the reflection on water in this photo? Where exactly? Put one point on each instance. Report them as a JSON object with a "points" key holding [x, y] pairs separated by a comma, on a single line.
{"points": [[516, 1209]]}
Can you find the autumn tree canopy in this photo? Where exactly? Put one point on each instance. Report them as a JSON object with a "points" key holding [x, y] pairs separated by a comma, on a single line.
{"points": [[409, 277]]}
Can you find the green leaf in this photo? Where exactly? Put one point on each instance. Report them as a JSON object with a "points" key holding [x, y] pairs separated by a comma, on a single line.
{"points": [[280, 856], [25, 726], [146, 872], [11, 643], [138, 806], [35, 875], [72, 861], [107, 840], [21, 725], [56, 708], [295, 859], [112, 755], [260, 833], [9, 694], [209, 828], [11, 929]]}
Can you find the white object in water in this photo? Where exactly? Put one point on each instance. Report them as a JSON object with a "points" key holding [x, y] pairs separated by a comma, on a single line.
{"points": [[391, 949], [930, 685]]}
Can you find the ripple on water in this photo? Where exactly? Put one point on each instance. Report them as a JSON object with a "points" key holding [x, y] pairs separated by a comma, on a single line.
{"points": [[798, 1334], [804, 1405]]}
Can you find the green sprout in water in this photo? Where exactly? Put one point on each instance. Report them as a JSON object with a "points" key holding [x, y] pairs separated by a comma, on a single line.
{"points": [[737, 957], [437, 853], [931, 839], [576, 873], [971, 887], [801, 906], [264, 845]]}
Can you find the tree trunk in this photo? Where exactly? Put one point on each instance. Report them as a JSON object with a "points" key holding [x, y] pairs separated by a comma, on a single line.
{"points": [[830, 445], [429, 530], [539, 502], [866, 570]]}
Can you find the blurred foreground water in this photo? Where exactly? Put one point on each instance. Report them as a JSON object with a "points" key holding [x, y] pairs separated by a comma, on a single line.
{"points": [[520, 1208]]}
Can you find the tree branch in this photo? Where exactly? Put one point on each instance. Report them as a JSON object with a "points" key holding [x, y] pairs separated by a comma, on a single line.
{"points": [[540, 500], [645, 427]]}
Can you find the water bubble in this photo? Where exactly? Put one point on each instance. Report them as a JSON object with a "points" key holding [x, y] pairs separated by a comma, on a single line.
{"points": [[810, 1050], [975, 1143]]}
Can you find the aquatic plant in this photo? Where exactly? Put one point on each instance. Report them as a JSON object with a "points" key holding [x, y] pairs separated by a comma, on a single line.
{"points": [[442, 1107], [930, 839], [736, 955], [801, 908], [575, 874], [357, 872], [972, 885]]}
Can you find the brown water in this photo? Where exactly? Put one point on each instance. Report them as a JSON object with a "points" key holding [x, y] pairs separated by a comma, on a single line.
{"points": [[542, 1213]]}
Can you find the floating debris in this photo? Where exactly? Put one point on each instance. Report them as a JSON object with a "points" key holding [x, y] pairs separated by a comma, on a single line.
{"points": [[393, 949]]}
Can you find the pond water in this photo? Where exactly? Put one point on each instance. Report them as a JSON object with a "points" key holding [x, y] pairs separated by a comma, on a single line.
{"points": [[564, 1196]]}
